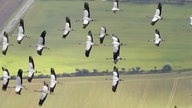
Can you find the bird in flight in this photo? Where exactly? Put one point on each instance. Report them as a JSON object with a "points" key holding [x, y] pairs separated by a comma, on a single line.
{"points": [[116, 49], [21, 33], [53, 81], [41, 44], [6, 77], [115, 6], [115, 79], [67, 28], [86, 16], [44, 93], [89, 43], [157, 38], [102, 34], [19, 82], [157, 15], [31, 69], [5, 43]]}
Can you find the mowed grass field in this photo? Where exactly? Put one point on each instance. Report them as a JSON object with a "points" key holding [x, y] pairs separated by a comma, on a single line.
{"points": [[136, 91], [131, 25]]}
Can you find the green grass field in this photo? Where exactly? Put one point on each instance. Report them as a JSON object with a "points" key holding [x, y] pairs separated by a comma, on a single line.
{"points": [[130, 25], [136, 91]]}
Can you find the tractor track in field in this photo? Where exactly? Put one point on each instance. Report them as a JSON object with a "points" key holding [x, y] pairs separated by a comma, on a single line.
{"points": [[144, 95], [172, 94]]}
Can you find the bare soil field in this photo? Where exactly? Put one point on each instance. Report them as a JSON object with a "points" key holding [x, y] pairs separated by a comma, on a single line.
{"points": [[7, 8]]}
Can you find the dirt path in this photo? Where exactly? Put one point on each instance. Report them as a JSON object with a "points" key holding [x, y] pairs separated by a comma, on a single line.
{"points": [[14, 20]]}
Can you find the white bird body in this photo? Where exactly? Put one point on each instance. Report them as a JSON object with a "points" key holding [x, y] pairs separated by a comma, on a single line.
{"points": [[31, 69], [53, 81], [116, 48], [190, 18], [6, 78], [67, 28], [5, 43], [86, 15], [44, 94], [102, 34], [157, 38], [86, 18], [115, 6], [19, 82], [31, 72], [18, 88], [40, 47], [88, 44], [41, 43], [21, 33], [157, 15], [115, 79]]}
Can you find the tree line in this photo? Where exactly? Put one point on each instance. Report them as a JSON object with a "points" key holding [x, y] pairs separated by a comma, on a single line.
{"points": [[122, 71]]}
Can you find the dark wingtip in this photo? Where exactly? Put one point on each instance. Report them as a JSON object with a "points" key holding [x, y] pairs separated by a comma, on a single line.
{"points": [[64, 36], [84, 26], [114, 89], [39, 53], [4, 52], [29, 79], [19, 42], [152, 23], [86, 54]]}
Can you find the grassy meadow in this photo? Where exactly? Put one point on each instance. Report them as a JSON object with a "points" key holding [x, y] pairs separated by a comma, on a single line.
{"points": [[136, 91], [131, 25]]}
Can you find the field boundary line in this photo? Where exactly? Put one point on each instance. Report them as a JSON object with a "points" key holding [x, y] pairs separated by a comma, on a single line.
{"points": [[17, 17], [159, 78], [175, 83]]}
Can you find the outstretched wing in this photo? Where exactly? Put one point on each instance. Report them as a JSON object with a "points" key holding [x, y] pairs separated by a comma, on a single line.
{"points": [[159, 9], [67, 27], [53, 80], [5, 43], [20, 35], [21, 26], [19, 82], [116, 44], [31, 69], [89, 44], [41, 43], [102, 34], [6, 78], [44, 94], [31, 63], [115, 79], [42, 38], [157, 15], [86, 16], [86, 10]]}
